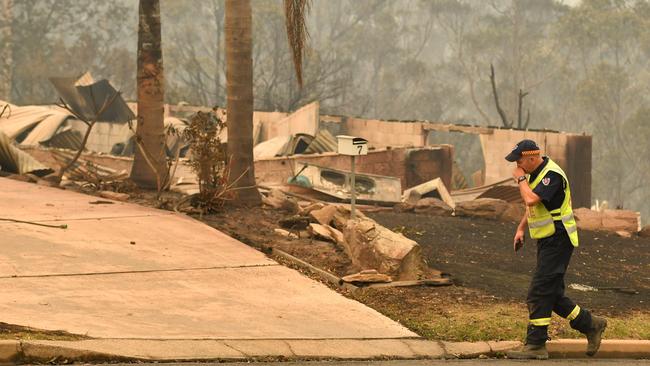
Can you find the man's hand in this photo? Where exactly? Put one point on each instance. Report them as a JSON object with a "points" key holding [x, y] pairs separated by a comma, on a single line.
{"points": [[518, 172], [518, 241]]}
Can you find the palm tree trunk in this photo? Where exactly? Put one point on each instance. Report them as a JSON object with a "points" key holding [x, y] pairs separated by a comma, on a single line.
{"points": [[6, 74], [239, 85], [150, 134]]}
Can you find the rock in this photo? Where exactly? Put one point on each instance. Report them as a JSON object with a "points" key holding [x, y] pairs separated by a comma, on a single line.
{"points": [[404, 207], [114, 196], [277, 199], [342, 216], [617, 220], [286, 233], [321, 231], [607, 220], [337, 235], [268, 201], [370, 245], [588, 219], [369, 271], [487, 208], [514, 212], [291, 205], [433, 206], [368, 276], [311, 207], [324, 215], [645, 232], [624, 234]]}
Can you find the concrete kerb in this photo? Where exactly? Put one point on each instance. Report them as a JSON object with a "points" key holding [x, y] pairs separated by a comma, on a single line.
{"points": [[9, 351], [609, 348], [124, 350], [466, 349], [37, 352], [113, 350]]}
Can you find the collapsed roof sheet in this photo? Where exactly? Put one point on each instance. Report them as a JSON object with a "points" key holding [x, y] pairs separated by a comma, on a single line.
{"points": [[505, 190], [87, 100], [117, 139], [300, 143], [324, 141], [23, 119], [14, 160]]}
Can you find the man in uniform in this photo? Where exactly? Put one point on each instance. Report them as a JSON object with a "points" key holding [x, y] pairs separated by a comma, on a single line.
{"points": [[544, 187]]}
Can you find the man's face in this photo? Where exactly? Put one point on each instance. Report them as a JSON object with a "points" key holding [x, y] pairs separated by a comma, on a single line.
{"points": [[527, 163]]}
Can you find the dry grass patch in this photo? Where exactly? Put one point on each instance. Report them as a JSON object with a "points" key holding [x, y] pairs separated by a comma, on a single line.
{"points": [[475, 317], [11, 331]]}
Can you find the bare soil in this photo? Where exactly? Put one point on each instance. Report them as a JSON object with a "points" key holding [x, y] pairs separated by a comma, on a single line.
{"points": [[478, 256]]}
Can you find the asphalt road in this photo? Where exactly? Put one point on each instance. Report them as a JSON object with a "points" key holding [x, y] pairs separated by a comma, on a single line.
{"points": [[477, 362]]}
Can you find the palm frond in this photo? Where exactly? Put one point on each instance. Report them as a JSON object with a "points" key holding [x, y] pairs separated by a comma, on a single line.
{"points": [[295, 12]]}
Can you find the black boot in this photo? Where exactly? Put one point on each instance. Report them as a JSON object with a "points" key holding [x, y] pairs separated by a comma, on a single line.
{"points": [[529, 352], [595, 334]]}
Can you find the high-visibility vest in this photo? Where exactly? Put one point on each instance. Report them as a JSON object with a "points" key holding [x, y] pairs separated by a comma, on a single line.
{"points": [[541, 221]]}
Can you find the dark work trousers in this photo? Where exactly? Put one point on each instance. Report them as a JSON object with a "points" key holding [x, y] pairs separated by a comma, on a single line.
{"points": [[546, 292]]}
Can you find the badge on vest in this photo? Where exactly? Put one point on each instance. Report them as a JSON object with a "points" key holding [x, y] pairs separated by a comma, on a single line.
{"points": [[546, 181], [531, 213]]}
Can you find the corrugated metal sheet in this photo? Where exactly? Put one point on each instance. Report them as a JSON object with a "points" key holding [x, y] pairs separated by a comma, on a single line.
{"points": [[298, 144], [505, 190], [85, 80], [271, 148], [67, 138], [507, 193], [45, 129], [31, 125], [14, 160], [324, 141], [87, 100], [22, 119]]}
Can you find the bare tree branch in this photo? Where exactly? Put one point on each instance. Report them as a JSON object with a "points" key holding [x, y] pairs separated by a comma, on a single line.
{"points": [[522, 95], [504, 118], [90, 124]]}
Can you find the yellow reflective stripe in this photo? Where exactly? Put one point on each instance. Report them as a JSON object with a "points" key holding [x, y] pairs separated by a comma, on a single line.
{"points": [[542, 223], [571, 229], [574, 313], [556, 211], [540, 322]]}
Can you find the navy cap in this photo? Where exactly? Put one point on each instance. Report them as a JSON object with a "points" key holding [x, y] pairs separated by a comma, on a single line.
{"points": [[524, 147]]}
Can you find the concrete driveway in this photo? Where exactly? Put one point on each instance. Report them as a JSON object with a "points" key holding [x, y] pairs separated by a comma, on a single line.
{"points": [[126, 271]]}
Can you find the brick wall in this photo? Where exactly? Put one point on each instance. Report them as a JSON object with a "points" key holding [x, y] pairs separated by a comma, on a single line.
{"points": [[571, 152], [579, 169], [103, 135], [426, 164], [381, 134], [304, 120], [500, 142]]}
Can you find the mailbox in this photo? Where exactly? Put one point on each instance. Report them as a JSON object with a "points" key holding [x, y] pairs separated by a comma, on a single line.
{"points": [[350, 145]]}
